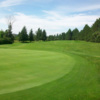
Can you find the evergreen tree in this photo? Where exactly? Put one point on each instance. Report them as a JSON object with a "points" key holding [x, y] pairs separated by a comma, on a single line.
{"points": [[31, 35], [63, 35], [69, 35], [44, 36], [9, 33], [2, 33], [96, 26], [85, 34], [39, 34], [50, 38], [59, 37], [96, 37], [23, 36], [80, 37], [75, 34]]}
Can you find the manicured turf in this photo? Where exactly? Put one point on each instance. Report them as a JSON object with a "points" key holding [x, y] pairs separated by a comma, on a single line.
{"points": [[56, 70], [22, 69]]}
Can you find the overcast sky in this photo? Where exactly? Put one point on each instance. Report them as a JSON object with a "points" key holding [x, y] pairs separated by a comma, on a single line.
{"points": [[55, 16]]}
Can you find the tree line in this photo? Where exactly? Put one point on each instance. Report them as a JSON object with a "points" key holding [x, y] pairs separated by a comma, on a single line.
{"points": [[86, 34], [40, 35], [91, 34], [6, 37]]}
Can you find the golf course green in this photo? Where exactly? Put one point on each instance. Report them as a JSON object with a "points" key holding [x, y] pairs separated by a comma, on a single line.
{"points": [[21, 69], [54, 70]]}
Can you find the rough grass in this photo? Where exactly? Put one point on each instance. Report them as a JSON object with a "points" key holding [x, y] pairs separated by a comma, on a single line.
{"points": [[81, 83]]}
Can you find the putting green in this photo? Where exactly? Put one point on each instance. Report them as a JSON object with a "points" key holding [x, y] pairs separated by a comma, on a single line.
{"points": [[22, 69]]}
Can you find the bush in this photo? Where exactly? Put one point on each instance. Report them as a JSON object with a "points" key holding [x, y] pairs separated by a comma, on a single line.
{"points": [[96, 37], [6, 41]]}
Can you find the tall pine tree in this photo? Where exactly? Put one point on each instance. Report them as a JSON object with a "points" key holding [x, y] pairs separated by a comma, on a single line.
{"points": [[85, 34], [69, 35], [9, 33], [23, 36], [44, 36], [96, 26], [31, 35], [75, 34], [39, 34]]}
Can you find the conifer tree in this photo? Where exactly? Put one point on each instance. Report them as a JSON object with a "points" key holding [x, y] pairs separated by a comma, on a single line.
{"points": [[63, 35], [69, 35], [10, 21], [75, 34], [85, 34], [31, 35], [39, 34], [23, 35], [96, 37], [9, 33], [96, 26], [44, 36]]}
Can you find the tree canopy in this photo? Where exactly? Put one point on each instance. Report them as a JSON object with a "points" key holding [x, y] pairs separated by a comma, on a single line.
{"points": [[23, 36], [31, 35]]}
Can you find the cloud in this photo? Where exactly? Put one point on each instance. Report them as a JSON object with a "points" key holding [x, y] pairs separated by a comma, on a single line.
{"points": [[88, 8], [42, 1], [77, 8], [53, 22], [8, 3]]}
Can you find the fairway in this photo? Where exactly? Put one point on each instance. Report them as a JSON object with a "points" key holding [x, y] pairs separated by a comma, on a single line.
{"points": [[22, 69], [55, 70]]}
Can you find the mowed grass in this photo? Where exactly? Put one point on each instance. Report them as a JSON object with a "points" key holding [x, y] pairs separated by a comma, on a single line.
{"points": [[22, 69], [67, 70]]}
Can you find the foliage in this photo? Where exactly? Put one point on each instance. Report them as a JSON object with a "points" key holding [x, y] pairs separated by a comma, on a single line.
{"points": [[75, 34], [23, 36], [6, 37], [86, 34], [69, 35], [5, 40], [96, 26], [39, 34], [44, 36], [31, 35], [50, 38], [96, 36]]}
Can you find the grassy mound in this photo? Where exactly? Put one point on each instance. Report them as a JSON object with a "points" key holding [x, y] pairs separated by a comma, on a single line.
{"points": [[77, 80]]}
